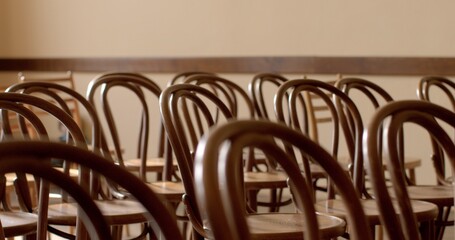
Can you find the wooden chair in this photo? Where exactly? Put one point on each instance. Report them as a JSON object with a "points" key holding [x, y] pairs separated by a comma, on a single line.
{"points": [[220, 184], [145, 92], [392, 117], [256, 178], [181, 106], [257, 89], [66, 80], [368, 97], [441, 91], [347, 123], [34, 157], [429, 86], [118, 212]]}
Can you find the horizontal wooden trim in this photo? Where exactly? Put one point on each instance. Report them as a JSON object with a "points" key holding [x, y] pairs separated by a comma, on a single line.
{"points": [[299, 65]]}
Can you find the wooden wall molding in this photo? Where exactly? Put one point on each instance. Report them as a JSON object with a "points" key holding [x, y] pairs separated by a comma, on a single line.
{"points": [[290, 65]]}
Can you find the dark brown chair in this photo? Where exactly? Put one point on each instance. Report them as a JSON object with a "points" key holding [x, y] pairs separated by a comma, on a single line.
{"points": [[118, 212], [346, 122], [368, 97], [240, 106], [391, 118], [34, 157], [219, 183], [439, 90], [188, 111], [429, 86]]}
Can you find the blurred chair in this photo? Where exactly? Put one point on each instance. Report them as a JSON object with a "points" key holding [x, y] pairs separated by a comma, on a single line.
{"points": [[188, 111], [434, 88], [118, 212], [66, 80], [219, 182], [34, 157], [392, 117]]}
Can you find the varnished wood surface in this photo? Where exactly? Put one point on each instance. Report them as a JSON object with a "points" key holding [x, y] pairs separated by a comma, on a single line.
{"points": [[424, 211], [291, 64], [290, 225]]}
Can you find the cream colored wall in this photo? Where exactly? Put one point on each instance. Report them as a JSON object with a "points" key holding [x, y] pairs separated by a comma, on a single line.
{"points": [[54, 28], [113, 28]]}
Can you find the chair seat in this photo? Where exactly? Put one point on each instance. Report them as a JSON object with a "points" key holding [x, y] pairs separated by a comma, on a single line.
{"points": [[171, 191], [290, 225], [116, 212], [153, 164], [260, 180], [18, 223], [439, 195], [424, 211]]}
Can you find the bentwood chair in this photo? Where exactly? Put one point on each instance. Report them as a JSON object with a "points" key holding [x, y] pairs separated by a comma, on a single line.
{"points": [[118, 212], [143, 93], [188, 111], [393, 117], [441, 91], [434, 88], [368, 96], [346, 122], [34, 157], [238, 102], [219, 182]]}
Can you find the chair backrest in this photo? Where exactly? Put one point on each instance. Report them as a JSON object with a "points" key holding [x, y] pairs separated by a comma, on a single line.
{"points": [[140, 89], [287, 99], [66, 80], [185, 107], [33, 157], [180, 77], [219, 177], [432, 84], [392, 116], [234, 96], [259, 87], [19, 104], [441, 91]]}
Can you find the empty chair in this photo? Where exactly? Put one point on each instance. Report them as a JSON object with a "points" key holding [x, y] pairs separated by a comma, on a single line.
{"points": [[34, 157], [240, 106], [219, 181], [346, 122], [392, 117], [188, 111], [118, 212], [143, 91]]}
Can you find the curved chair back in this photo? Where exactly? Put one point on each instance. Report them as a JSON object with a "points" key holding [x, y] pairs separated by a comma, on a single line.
{"points": [[33, 157], [220, 192], [147, 93], [185, 108], [432, 83], [288, 98], [258, 89], [392, 116]]}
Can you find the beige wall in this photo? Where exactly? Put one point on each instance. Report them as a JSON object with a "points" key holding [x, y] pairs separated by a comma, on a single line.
{"points": [[55, 28], [114, 28]]}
